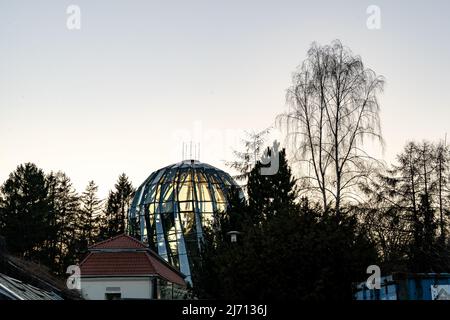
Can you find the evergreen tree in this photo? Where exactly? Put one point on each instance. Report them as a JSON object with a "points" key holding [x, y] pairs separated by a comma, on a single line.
{"points": [[110, 225], [65, 210], [90, 213], [24, 211], [403, 204], [117, 206], [271, 194], [424, 244], [54, 223], [237, 217], [124, 196]]}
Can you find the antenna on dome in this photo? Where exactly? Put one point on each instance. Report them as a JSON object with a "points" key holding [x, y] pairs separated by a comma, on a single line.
{"points": [[184, 151], [190, 151]]}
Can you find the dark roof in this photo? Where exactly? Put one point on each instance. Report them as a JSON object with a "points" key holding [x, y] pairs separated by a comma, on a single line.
{"points": [[13, 289], [126, 256], [36, 275]]}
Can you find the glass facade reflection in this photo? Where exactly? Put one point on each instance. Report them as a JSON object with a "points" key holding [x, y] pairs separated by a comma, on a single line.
{"points": [[173, 205]]}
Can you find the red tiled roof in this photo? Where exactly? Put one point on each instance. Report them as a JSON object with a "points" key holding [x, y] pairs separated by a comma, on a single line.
{"points": [[166, 272], [127, 264], [105, 262], [122, 241]]}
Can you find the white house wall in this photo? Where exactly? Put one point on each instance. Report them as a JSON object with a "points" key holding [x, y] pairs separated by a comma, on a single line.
{"points": [[130, 287]]}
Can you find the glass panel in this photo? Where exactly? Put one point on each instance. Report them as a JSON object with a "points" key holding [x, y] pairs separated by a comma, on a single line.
{"points": [[167, 223], [137, 197], [218, 193], [184, 176], [205, 206], [226, 179], [167, 192], [214, 179], [185, 192], [203, 193], [187, 221], [166, 207], [199, 177], [161, 244], [157, 177], [170, 175], [186, 206], [157, 193], [150, 194]]}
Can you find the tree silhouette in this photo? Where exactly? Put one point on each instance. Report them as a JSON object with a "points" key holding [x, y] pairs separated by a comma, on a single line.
{"points": [[117, 206], [401, 213], [23, 212], [333, 107], [271, 194], [66, 241], [290, 252], [253, 145], [90, 213]]}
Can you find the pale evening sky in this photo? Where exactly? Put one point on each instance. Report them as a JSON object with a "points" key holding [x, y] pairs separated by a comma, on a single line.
{"points": [[117, 95]]}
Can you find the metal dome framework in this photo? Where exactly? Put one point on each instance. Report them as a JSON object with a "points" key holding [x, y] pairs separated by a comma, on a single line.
{"points": [[174, 204]]}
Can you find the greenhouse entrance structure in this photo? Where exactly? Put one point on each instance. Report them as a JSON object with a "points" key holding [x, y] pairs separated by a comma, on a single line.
{"points": [[172, 207]]}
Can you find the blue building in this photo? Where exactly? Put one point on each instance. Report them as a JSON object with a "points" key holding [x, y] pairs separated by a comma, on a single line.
{"points": [[408, 286]]}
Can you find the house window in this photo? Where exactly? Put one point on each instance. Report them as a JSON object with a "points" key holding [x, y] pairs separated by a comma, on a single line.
{"points": [[113, 293], [113, 296]]}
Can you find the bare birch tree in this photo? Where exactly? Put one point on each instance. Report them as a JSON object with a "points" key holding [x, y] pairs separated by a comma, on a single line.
{"points": [[333, 106]]}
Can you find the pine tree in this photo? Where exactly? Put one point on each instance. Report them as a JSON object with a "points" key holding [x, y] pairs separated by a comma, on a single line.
{"points": [[270, 195], [125, 193], [219, 274], [54, 223], [423, 247], [24, 211], [65, 212], [108, 226], [90, 213], [237, 214], [117, 206], [405, 201]]}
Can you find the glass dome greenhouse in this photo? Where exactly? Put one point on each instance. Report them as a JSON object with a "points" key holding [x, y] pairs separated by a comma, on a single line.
{"points": [[171, 208]]}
